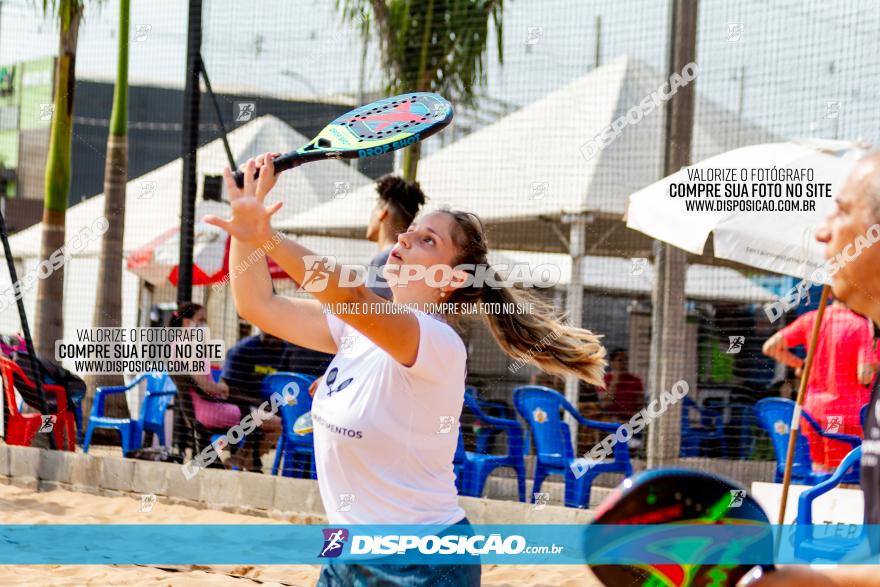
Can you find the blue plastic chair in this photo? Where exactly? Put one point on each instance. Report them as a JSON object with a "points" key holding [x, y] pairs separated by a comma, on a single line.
{"points": [[292, 448], [485, 435], [153, 408], [774, 416], [160, 390], [473, 468], [694, 438], [806, 545], [540, 407]]}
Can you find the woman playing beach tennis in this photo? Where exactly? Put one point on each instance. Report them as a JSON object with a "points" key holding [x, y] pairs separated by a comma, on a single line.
{"points": [[397, 375]]}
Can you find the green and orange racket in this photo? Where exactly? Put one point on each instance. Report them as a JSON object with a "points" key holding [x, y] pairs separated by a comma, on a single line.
{"points": [[677, 496], [374, 129]]}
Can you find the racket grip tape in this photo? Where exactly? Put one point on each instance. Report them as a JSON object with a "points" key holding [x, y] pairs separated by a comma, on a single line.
{"points": [[282, 163]]}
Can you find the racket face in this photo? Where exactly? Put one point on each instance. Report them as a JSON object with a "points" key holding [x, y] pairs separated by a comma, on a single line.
{"points": [[677, 496], [381, 127]]}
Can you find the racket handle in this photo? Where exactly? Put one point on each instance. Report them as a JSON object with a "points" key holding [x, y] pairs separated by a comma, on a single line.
{"points": [[282, 163]]}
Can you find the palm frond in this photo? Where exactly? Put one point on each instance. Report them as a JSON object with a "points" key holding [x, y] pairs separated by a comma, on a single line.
{"points": [[431, 45], [64, 10]]}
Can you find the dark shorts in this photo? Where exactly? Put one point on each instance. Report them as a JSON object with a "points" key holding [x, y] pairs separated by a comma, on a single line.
{"points": [[348, 575]]}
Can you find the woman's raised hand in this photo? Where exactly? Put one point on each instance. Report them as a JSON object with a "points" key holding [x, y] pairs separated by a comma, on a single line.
{"points": [[251, 219]]}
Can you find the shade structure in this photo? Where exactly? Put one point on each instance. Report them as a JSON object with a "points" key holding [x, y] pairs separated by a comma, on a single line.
{"points": [[538, 185], [152, 209], [528, 174]]}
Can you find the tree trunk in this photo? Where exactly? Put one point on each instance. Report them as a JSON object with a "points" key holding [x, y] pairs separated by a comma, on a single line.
{"points": [[49, 319], [411, 157], [108, 303], [413, 153]]}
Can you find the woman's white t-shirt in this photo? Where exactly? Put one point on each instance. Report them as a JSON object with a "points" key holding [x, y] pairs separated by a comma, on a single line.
{"points": [[385, 435]]}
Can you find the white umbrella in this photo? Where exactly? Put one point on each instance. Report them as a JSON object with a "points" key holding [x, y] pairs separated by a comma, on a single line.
{"points": [[777, 241], [782, 242]]}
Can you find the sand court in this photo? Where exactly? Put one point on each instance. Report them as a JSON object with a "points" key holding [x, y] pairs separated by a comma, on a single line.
{"points": [[25, 506]]}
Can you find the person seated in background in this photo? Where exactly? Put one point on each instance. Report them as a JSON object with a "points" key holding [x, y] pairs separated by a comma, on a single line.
{"points": [[247, 364], [201, 399], [624, 394], [11, 344], [306, 361], [838, 386]]}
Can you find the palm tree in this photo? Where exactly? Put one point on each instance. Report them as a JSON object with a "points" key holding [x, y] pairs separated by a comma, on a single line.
{"points": [[49, 322], [430, 46], [108, 305]]}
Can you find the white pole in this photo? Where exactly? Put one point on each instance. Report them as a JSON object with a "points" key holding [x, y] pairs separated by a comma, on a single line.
{"points": [[574, 307]]}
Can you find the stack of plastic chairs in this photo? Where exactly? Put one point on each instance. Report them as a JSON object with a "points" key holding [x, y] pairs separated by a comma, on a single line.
{"points": [[22, 428]]}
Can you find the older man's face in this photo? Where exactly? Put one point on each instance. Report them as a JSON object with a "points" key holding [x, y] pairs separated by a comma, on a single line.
{"points": [[857, 283]]}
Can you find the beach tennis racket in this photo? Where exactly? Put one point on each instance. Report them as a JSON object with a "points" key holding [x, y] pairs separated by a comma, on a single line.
{"points": [[374, 129], [673, 496]]}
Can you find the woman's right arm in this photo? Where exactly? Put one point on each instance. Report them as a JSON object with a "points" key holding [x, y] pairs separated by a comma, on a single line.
{"points": [[299, 321]]}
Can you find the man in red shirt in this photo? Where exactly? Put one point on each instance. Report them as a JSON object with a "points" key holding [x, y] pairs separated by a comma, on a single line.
{"points": [[839, 380], [624, 394]]}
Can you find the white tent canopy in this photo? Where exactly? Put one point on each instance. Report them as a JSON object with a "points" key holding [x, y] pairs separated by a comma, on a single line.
{"points": [[153, 200]]}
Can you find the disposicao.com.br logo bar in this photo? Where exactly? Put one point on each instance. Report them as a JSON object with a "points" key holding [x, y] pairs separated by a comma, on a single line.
{"points": [[431, 544], [693, 543]]}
